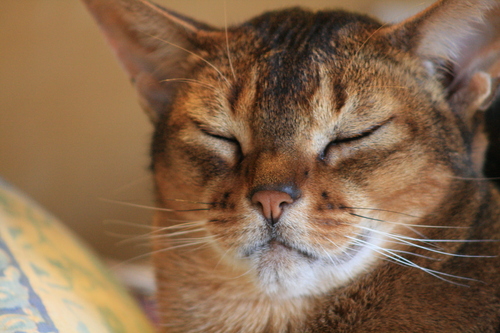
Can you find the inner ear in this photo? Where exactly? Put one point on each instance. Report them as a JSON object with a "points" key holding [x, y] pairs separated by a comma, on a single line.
{"points": [[152, 44], [458, 41]]}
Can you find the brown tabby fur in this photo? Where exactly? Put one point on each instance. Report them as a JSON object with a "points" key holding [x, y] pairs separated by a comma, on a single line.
{"points": [[375, 131]]}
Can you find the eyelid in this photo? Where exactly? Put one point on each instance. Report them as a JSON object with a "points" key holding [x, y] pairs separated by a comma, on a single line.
{"points": [[367, 132], [357, 136], [203, 129], [220, 137], [361, 134]]}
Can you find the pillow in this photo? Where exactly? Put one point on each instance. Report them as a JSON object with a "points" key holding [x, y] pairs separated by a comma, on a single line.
{"points": [[50, 282]]}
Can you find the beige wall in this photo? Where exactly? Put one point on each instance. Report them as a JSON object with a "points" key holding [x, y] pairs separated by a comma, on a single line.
{"points": [[70, 129]]}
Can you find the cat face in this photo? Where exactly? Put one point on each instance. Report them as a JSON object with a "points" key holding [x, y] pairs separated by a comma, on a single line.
{"points": [[300, 149], [344, 129]]}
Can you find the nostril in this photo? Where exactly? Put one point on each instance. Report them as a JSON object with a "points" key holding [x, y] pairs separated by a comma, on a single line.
{"points": [[271, 203]]}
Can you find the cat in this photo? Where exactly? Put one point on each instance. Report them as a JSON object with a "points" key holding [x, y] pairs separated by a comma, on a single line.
{"points": [[319, 171]]}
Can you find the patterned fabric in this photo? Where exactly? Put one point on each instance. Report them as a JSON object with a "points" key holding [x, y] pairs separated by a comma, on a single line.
{"points": [[50, 282]]}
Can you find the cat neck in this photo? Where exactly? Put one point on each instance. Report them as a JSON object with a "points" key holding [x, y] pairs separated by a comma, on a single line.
{"points": [[224, 299]]}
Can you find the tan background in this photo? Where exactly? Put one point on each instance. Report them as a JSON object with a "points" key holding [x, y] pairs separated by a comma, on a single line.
{"points": [[71, 132]]}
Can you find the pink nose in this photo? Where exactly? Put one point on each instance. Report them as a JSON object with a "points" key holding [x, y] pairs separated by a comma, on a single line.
{"points": [[271, 203]]}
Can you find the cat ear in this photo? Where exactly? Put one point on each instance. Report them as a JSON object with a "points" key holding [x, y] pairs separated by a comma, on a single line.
{"points": [[459, 40], [151, 43]]}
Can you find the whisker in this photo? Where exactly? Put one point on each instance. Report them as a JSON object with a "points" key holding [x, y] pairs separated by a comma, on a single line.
{"points": [[178, 233], [183, 245], [190, 239], [183, 225], [227, 41], [221, 258], [136, 258], [193, 54], [400, 242], [190, 201], [409, 225], [150, 253], [416, 255], [338, 247], [326, 252], [186, 243], [202, 246], [153, 236], [382, 210], [131, 224], [193, 81], [415, 231], [124, 237], [422, 236], [150, 207], [406, 262], [156, 232], [407, 240], [381, 251]]}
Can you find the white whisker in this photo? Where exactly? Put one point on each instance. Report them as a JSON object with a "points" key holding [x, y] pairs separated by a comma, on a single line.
{"points": [[407, 240], [183, 245], [408, 225], [186, 225], [152, 207], [150, 253], [190, 239], [178, 233], [131, 224], [406, 262], [193, 54], [215, 89], [416, 255], [221, 258], [227, 41], [326, 252], [344, 251], [139, 257]]}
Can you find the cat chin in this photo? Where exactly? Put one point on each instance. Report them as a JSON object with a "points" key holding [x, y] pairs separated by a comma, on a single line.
{"points": [[283, 272]]}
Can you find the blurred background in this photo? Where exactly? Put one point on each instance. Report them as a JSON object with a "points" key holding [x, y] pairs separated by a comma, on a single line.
{"points": [[71, 133]]}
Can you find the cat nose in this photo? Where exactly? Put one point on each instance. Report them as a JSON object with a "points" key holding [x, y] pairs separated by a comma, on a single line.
{"points": [[271, 203]]}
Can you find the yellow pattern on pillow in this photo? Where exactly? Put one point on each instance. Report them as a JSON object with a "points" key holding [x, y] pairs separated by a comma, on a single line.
{"points": [[50, 282]]}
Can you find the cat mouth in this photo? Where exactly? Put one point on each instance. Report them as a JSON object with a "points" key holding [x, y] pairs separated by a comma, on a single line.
{"points": [[285, 269], [278, 248]]}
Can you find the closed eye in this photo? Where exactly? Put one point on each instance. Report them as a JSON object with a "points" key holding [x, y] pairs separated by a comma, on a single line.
{"points": [[220, 137], [229, 139], [203, 128], [356, 137]]}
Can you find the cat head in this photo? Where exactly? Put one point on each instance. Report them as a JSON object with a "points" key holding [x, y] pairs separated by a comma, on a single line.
{"points": [[309, 145]]}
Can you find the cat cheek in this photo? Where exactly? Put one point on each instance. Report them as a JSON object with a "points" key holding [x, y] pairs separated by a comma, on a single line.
{"points": [[334, 154], [203, 162]]}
